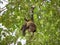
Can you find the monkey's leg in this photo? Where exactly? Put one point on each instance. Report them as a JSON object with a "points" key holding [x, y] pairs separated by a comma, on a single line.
{"points": [[23, 32], [23, 29]]}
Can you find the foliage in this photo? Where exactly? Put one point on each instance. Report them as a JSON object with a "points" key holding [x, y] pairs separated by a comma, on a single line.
{"points": [[46, 18]]}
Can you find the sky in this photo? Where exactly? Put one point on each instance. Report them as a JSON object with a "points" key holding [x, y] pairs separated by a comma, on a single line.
{"points": [[3, 3]]}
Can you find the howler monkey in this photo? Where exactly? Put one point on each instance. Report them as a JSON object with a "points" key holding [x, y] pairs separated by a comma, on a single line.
{"points": [[29, 24]]}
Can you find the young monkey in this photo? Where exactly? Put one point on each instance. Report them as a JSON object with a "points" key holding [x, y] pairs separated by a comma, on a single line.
{"points": [[29, 24]]}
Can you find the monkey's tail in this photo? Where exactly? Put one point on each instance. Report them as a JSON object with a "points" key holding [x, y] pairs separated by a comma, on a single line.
{"points": [[32, 12]]}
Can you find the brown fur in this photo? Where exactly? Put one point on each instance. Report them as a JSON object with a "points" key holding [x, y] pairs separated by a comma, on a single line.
{"points": [[29, 25]]}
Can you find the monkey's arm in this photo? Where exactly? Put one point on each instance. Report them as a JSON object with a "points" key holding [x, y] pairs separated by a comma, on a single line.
{"points": [[23, 28]]}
